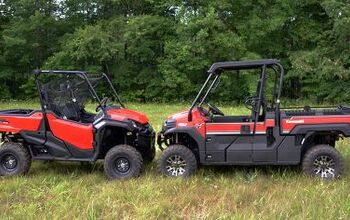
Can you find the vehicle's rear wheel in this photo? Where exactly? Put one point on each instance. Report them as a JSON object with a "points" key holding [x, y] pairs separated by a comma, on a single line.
{"points": [[323, 161], [149, 154], [123, 162], [14, 159], [177, 161]]}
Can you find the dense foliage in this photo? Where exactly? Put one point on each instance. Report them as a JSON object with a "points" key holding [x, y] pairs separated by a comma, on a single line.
{"points": [[160, 50]]}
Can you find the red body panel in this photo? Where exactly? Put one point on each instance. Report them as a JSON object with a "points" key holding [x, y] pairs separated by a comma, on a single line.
{"points": [[290, 123], [198, 120], [236, 126], [79, 135], [122, 114], [200, 123], [18, 123]]}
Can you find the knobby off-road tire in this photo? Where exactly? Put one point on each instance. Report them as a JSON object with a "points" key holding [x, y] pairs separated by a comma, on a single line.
{"points": [[123, 162], [323, 161], [148, 155], [177, 161], [14, 159]]}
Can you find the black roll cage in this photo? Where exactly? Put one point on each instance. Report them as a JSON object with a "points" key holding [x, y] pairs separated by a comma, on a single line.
{"points": [[215, 72], [82, 75]]}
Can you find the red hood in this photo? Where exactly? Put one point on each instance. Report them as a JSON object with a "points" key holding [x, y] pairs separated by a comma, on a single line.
{"points": [[197, 120], [182, 117], [123, 113], [179, 115]]}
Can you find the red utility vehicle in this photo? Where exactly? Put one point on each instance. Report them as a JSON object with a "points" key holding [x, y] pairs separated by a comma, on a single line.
{"points": [[64, 130], [270, 135]]}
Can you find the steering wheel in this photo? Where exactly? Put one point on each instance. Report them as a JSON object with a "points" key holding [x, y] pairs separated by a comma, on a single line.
{"points": [[203, 111], [103, 104], [215, 110], [250, 102]]}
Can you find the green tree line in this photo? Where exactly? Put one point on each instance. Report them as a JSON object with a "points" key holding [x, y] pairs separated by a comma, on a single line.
{"points": [[159, 50]]}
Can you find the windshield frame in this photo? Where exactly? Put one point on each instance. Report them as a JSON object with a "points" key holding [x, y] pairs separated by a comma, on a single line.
{"points": [[104, 76], [84, 76], [216, 71]]}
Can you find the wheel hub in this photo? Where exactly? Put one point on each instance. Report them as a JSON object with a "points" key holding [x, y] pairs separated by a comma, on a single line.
{"points": [[324, 166], [122, 165], [175, 165], [9, 162]]}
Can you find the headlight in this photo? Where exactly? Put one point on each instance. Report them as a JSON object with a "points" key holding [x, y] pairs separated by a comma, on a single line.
{"points": [[170, 123], [136, 124], [141, 127]]}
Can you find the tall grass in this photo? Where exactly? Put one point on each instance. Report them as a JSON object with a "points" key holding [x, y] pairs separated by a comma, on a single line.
{"points": [[70, 190]]}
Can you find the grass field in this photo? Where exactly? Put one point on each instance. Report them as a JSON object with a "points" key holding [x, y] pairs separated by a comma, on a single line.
{"points": [[70, 191]]}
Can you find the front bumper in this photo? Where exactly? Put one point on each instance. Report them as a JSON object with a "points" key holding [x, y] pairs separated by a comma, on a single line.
{"points": [[146, 138], [160, 140]]}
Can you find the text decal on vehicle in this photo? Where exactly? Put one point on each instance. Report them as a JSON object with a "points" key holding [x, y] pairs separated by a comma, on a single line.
{"points": [[301, 121]]}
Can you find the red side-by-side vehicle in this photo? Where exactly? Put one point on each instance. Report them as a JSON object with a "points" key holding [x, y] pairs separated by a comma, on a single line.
{"points": [[64, 130], [269, 135]]}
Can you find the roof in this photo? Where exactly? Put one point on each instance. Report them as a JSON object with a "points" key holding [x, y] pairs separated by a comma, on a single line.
{"points": [[58, 72], [247, 64]]}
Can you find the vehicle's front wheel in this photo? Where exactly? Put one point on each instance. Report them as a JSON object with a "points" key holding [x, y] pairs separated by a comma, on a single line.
{"points": [[14, 159], [123, 162], [177, 161], [323, 161]]}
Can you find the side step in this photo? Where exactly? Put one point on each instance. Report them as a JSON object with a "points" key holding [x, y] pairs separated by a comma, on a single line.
{"points": [[47, 157]]}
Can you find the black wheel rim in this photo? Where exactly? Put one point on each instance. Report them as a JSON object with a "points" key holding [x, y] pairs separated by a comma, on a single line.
{"points": [[176, 165], [122, 165], [324, 166], [9, 162]]}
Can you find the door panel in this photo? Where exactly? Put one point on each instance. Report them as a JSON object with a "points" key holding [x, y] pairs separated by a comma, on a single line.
{"points": [[240, 151], [74, 133], [262, 148], [216, 146], [229, 142], [236, 142]]}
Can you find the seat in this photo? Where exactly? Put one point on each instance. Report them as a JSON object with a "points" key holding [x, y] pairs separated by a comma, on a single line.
{"points": [[87, 117], [70, 112]]}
